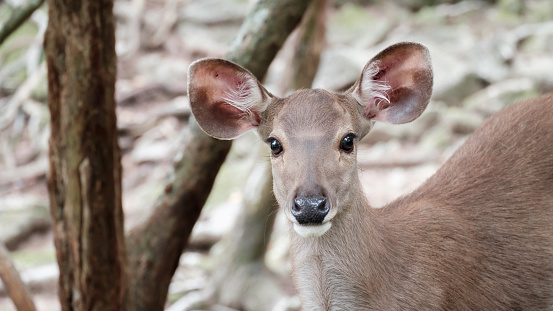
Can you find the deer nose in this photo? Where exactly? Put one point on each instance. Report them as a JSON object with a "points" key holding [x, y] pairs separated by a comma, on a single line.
{"points": [[310, 210]]}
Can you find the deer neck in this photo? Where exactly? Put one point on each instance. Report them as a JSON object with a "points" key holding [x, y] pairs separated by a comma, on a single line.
{"points": [[328, 269]]}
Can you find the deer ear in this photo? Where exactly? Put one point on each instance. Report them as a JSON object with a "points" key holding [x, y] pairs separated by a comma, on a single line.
{"points": [[226, 99], [396, 85]]}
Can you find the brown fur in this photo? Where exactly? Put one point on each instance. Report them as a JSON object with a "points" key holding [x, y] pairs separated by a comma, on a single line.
{"points": [[478, 235]]}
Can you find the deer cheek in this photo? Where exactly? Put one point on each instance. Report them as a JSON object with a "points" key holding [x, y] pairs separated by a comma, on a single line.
{"points": [[279, 189]]}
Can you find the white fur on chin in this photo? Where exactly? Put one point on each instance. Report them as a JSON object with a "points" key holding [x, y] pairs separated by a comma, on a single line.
{"points": [[312, 231]]}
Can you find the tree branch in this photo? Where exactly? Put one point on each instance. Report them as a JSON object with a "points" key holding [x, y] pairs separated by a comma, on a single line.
{"points": [[18, 17], [13, 283], [154, 248]]}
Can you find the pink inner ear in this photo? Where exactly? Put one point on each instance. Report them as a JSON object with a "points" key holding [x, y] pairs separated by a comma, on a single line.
{"points": [[239, 91], [400, 84], [226, 99], [231, 117], [379, 75], [376, 87]]}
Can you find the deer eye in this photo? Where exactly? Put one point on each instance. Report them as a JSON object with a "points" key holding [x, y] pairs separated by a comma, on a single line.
{"points": [[348, 142], [276, 147]]}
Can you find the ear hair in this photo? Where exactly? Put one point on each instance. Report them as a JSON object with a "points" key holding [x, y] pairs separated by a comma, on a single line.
{"points": [[243, 98], [396, 84], [375, 90], [225, 98]]}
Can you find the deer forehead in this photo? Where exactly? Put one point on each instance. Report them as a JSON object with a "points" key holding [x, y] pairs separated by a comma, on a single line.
{"points": [[313, 115]]}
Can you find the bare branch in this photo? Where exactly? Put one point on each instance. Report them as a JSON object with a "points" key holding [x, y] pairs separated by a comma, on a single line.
{"points": [[18, 17], [13, 283]]}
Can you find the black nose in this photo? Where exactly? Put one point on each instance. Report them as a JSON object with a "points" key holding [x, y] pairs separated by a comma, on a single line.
{"points": [[310, 210]]}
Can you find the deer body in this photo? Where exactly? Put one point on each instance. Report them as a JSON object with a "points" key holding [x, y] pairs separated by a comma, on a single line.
{"points": [[476, 238], [478, 235]]}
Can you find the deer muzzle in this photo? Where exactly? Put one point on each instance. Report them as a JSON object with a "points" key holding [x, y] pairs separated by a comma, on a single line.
{"points": [[310, 213]]}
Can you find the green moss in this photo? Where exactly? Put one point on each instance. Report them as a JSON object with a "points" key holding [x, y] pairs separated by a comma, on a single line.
{"points": [[356, 25], [437, 137], [40, 93], [539, 11], [508, 12], [8, 53], [429, 15], [350, 17], [35, 257], [5, 12], [514, 7], [27, 30]]}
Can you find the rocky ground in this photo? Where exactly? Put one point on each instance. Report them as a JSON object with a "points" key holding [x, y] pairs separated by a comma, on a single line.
{"points": [[485, 56]]}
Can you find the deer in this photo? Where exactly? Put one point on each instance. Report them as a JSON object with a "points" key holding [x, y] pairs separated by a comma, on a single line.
{"points": [[477, 235]]}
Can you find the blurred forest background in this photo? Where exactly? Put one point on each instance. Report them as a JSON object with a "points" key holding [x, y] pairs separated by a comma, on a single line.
{"points": [[486, 54]]}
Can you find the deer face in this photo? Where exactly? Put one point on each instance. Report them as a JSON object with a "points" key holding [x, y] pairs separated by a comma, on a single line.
{"points": [[312, 134], [313, 137]]}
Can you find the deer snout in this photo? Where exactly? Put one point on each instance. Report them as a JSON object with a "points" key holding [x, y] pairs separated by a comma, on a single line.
{"points": [[310, 210]]}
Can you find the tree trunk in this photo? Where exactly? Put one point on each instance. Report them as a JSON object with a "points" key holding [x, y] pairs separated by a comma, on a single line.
{"points": [[85, 172], [154, 247]]}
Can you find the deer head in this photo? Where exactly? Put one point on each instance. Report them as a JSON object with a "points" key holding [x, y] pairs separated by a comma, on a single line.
{"points": [[312, 133]]}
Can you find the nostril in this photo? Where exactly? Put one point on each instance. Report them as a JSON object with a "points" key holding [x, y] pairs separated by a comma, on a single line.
{"points": [[310, 210], [322, 205], [296, 207]]}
